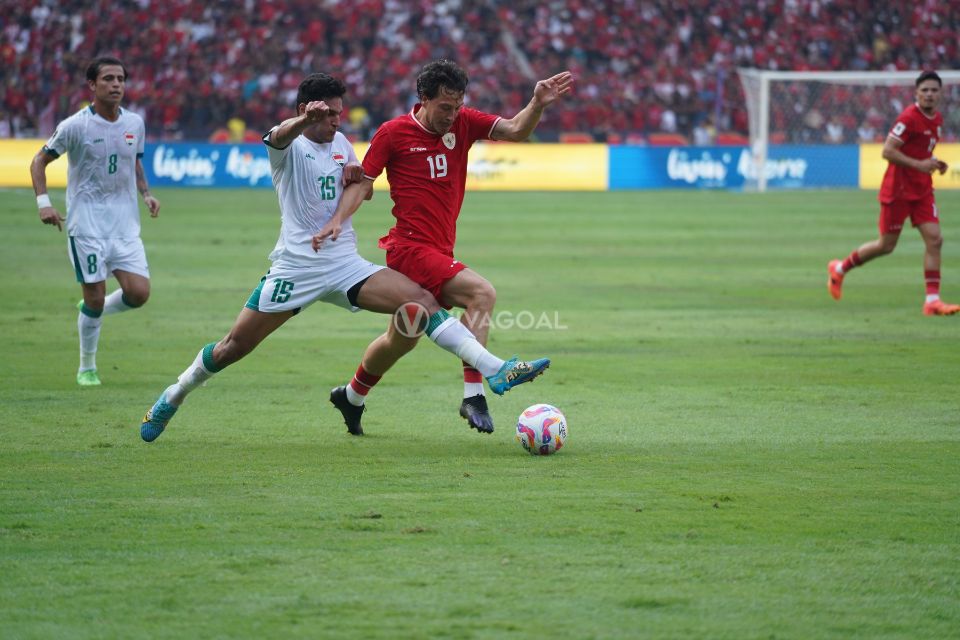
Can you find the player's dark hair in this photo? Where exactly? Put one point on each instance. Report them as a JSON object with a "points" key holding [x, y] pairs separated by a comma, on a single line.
{"points": [[441, 73], [93, 69], [319, 86], [929, 75]]}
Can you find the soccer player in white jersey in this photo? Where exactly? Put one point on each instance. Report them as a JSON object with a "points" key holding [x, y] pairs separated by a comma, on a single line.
{"points": [[104, 145], [311, 162]]}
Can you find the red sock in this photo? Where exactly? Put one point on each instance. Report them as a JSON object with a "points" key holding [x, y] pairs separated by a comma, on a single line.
{"points": [[471, 375], [362, 381], [933, 282], [851, 261]]}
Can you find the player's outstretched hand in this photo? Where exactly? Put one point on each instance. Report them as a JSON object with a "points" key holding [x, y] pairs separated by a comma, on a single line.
{"points": [[153, 205], [547, 91], [330, 230], [352, 173], [49, 215], [316, 110], [942, 167]]}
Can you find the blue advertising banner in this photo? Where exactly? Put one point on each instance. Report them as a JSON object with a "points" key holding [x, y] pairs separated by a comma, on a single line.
{"points": [[185, 164], [787, 167], [188, 164]]}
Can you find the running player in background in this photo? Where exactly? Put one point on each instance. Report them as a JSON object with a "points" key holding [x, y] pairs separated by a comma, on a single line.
{"points": [[311, 161], [425, 155], [104, 145], [907, 192]]}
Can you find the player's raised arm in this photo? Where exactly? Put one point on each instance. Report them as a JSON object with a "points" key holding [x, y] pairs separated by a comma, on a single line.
{"points": [[38, 174], [289, 129], [520, 126]]}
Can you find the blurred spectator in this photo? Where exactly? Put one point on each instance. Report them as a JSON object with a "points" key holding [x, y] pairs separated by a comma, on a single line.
{"points": [[705, 133], [237, 129]]}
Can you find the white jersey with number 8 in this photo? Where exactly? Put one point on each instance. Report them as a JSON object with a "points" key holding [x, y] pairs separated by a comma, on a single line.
{"points": [[101, 172]]}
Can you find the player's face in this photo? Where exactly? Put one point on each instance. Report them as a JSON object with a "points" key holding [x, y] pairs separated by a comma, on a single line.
{"points": [[928, 95], [324, 129], [109, 85], [440, 113]]}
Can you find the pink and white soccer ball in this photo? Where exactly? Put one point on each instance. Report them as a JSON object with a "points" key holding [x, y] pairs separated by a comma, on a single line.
{"points": [[541, 429]]}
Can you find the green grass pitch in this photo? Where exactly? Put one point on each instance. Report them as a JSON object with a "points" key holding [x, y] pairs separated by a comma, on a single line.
{"points": [[747, 458]]}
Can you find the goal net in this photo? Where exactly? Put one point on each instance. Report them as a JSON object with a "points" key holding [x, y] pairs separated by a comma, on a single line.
{"points": [[830, 108]]}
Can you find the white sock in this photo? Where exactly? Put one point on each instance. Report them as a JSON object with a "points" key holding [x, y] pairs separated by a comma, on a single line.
{"points": [[839, 268], [192, 377], [932, 297], [114, 303], [453, 336], [471, 389], [355, 398], [89, 330]]}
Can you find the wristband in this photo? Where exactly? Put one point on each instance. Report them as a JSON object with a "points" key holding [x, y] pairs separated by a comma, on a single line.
{"points": [[43, 201]]}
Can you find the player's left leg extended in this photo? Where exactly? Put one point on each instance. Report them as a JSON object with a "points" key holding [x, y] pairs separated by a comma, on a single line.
{"points": [[249, 330]]}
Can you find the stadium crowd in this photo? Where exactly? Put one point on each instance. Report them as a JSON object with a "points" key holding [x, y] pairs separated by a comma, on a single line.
{"points": [[644, 68]]}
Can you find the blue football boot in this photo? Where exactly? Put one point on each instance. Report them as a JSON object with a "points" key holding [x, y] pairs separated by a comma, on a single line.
{"points": [[515, 371], [157, 418]]}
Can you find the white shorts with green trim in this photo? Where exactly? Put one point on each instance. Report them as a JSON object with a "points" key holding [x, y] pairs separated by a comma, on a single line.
{"points": [[294, 288], [94, 259]]}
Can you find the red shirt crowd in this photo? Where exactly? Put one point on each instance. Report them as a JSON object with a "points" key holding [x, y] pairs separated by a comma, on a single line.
{"points": [[642, 67]]}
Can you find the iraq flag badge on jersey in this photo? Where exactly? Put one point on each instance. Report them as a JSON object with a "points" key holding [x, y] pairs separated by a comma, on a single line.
{"points": [[339, 158], [130, 138]]}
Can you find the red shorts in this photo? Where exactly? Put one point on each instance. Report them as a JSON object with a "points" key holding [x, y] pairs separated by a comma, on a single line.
{"points": [[424, 265], [894, 214]]}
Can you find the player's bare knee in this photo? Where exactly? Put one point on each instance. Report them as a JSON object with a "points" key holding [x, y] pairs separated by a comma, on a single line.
{"points": [[426, 300], [887, 246], [483, 297], [136, 297]]}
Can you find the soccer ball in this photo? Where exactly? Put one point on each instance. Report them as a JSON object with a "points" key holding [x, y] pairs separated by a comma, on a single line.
{"points": [[541, 429]]}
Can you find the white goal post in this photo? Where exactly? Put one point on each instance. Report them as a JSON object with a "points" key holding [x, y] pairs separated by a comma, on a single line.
{"points": [[788, 107]]}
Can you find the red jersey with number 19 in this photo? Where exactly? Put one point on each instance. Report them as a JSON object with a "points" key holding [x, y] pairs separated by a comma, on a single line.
{"points": [[427, 174], [919, 134]]}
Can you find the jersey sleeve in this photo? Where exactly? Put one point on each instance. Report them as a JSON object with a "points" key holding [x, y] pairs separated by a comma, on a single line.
{"points": [[377, 155], [59, 142], [278, 157], [479, 124], [903, 128]]}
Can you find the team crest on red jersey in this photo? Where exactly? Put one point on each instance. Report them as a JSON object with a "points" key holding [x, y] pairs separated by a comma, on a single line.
{"points": [[130, 138], [449, 140], [339, 158]]}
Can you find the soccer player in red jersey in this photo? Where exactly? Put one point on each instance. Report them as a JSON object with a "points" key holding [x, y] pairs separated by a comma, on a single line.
{"points": [[907, 192], [425, 155]]}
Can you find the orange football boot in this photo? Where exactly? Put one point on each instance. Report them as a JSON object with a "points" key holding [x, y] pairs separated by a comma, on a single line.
{"points": [[940, 308], [835, 280]]}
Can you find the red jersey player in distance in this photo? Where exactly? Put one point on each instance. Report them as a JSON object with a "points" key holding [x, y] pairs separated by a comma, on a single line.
{"points": [[907, 192], [425, 155]]}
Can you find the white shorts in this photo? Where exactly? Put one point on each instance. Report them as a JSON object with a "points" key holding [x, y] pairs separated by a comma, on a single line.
{"points": [[94, 259], [294, 288]]}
